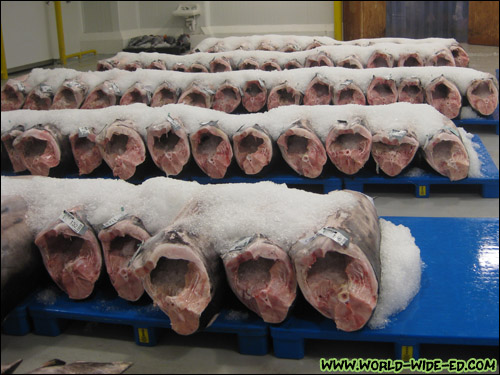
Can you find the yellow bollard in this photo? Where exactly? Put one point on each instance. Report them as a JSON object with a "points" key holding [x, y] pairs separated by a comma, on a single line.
{"points": [[4, 62], [337, 20], [60, 32]]}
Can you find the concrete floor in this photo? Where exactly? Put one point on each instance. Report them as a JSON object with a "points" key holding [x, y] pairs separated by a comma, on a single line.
{"points": [[217, 353]]}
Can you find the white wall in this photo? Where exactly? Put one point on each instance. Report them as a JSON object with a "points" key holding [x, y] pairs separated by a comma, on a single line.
{"points": [[30, 34]]}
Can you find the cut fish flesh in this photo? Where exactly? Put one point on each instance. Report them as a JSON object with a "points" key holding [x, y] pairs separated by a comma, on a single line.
{"points": [[482, 95], [227, 97], [85, 150], [381, 91], [165, 94], [261, 275], [253, 149], [350, 62], [168, 145], [441, 58], [14, 155], [104, 95], [410, 59], [380, 59], [122, 148], [40, 98], [410, 90], [318, 92], [443, 95], [70, 95], [254, 95], [283, 94], [348, 145], [71, 254], [394, 150], [14, 93], [197, 96], [348, 93], [137, 93], [302, 149], [338, 268], [120, 238]]}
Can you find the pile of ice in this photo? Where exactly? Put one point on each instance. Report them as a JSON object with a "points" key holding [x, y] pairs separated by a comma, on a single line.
{"points": [[227, 212]]}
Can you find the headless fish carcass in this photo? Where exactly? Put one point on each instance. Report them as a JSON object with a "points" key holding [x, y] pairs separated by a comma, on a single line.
{"points": [[338, 268]]}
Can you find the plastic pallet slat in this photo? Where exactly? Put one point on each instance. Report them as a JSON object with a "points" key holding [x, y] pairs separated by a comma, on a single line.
{"points": [[423, 182], [457, 302], [105, 307]]}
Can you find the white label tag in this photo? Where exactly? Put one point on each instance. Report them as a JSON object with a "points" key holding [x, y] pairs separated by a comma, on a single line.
{"points": [[210, 123], [241, 244], [21, 87], [83, 132], [76, 225], [46, 89], [335, 235], [398, 134], [115, 88], [175, 125], [115, 219]]}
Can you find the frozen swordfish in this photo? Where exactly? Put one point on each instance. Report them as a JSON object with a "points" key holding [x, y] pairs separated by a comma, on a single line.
{"points": [[338, 268]]}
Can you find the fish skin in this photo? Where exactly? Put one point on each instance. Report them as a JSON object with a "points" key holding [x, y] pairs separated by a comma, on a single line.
{"points": [[22, 266], [57, 366], [348, 293], [81, 265], [192, 305], [270, 299]]}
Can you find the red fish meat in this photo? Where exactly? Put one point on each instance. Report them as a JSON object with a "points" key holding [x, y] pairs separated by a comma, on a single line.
{"points": [[221, 64], [85, 150], [70, 95], [197, 96], [14, 93], [165, 94], [14, 154], [320, 59], [482, 95], [253, 149], [302, 149], [227, 97], [120, 237], [318, 92], [381, 91], [104, 95], [350, 62], [394, 150], [338, 269], [211, 149], [168, 145], [261, 275], [380, 59], [254, 95], [443, 95], [348, 93], [71, 253], [410, 90], [283, 94], [122, 148], [40, 98], [348, 145]]}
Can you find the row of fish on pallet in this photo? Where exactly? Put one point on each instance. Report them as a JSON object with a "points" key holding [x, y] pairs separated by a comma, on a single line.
{"points": [[381, 55], [445, 88], [306, 137], [181, 242]]}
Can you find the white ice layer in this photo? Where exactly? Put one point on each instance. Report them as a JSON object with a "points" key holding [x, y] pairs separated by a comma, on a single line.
{"points": [[253, 41], [227, 212], [400, 275], [296, 78], [422, 119], [337, 53]]}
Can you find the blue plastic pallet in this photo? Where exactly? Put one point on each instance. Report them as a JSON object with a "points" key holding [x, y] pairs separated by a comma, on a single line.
{"points": [[49, 319], [457, 302], [489, 181], [17, 322]]}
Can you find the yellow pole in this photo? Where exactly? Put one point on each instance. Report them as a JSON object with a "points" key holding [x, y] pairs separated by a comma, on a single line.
{"points": [[4, 62], [60, 32], [337, 20]]}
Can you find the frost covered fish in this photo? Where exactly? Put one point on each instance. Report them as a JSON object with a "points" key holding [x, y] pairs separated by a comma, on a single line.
{"points": [[261, 275], [22, 267], [71, 253], [42, 148], [381, 91], [165, 94], [103, 95], [137, 93], [254, 95], [338, 268], [380, 59], [120, 237], [318, 92], [70, 94], [410, 90], [211, 149], [302, 149], [122, 148], [85, 150], [227, 98], [14, 93], [446, 153], [443, 95], [253, 149], [15, 156], [482, 95], [348, 145], [168, 145], [40, 98], [394, 150], [282, 95], [197, 96], [348, 92], [56, 366], [182, 273]]}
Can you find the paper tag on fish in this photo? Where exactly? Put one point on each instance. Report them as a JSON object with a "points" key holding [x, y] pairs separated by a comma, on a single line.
{"points": [[241, 244], [398, 134], [115, 219], [71, 221], [211, 123], [454, 131], [346, 83], [115, 88], [73, 84], [83, 132], [175, 125], [21, 87], [336, 235], [46, 89]]}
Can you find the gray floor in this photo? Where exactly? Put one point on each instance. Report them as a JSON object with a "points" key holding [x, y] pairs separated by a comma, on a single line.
{"points": [[217, 353]]}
